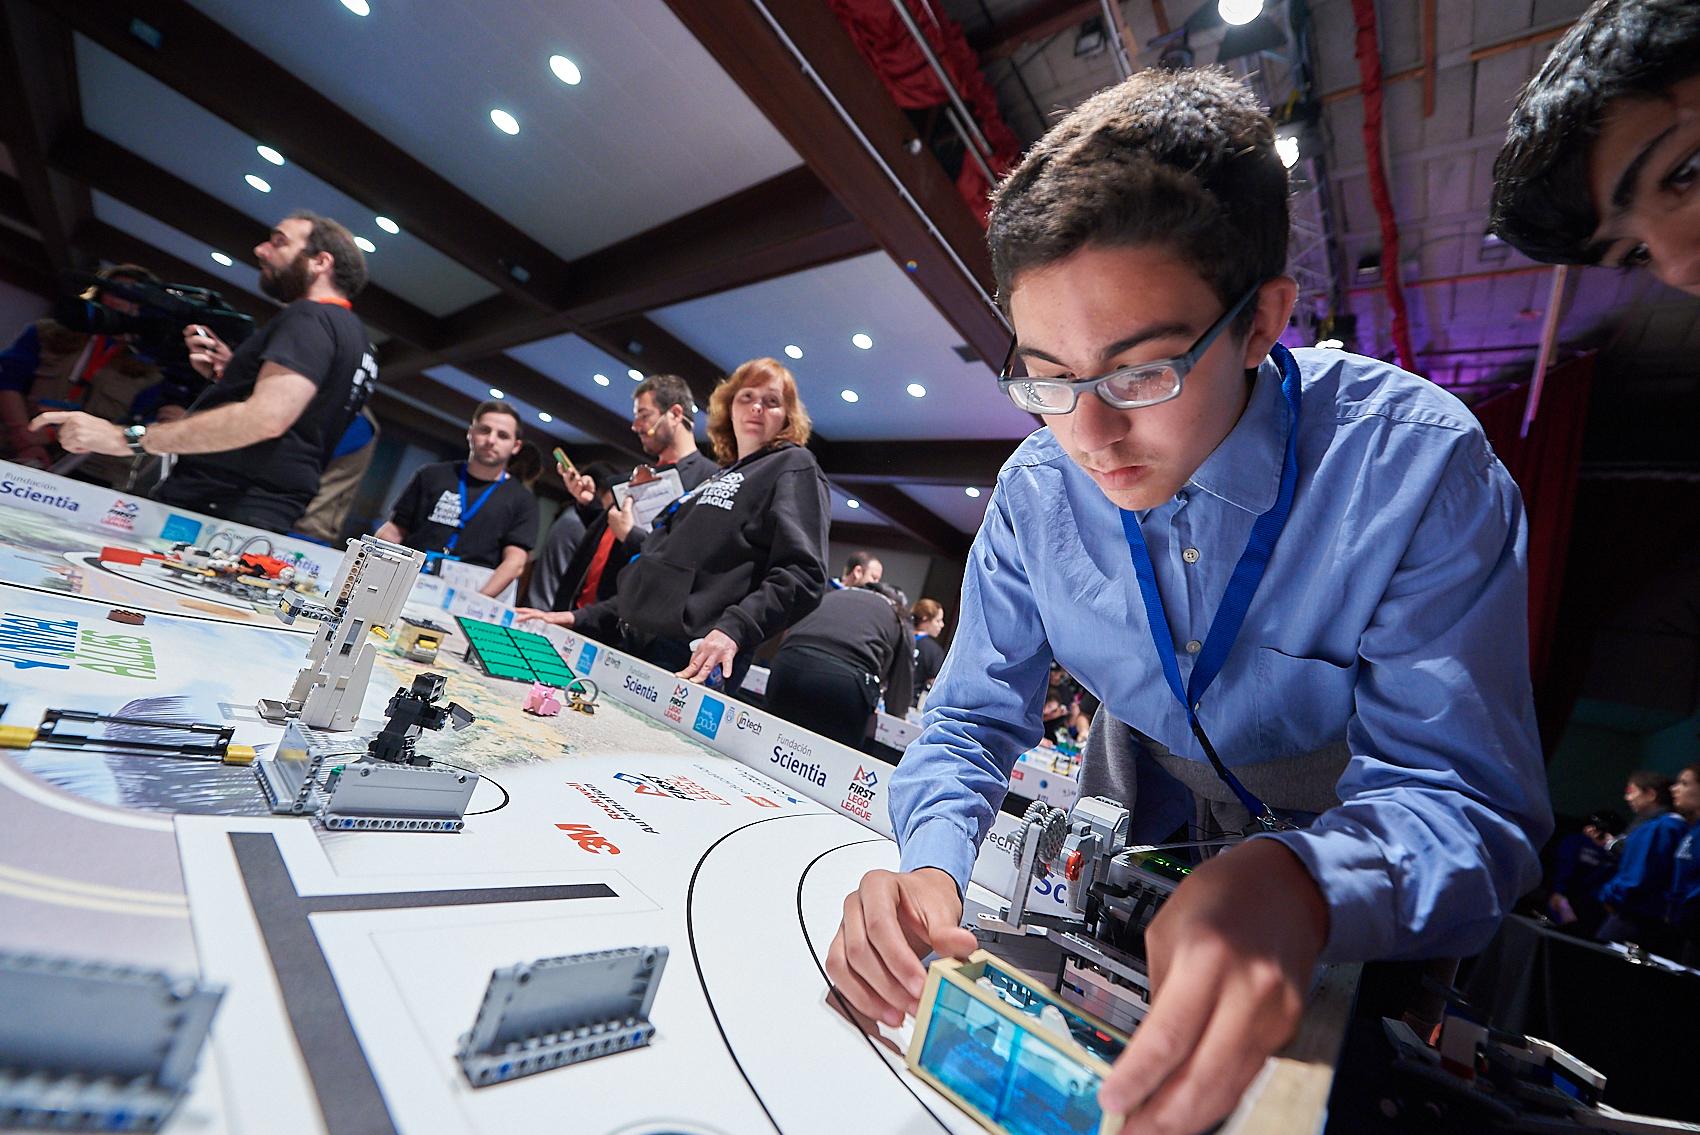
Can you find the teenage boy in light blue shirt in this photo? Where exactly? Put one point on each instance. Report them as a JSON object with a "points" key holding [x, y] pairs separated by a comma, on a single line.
{"points": [[1317, 552]]}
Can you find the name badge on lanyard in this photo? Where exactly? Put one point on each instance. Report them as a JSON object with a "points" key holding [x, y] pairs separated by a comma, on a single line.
{"points": [[1236, 600], [466, 514]]}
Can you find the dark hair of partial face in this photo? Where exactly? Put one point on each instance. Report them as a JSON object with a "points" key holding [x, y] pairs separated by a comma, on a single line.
{"points": [[1183, 161], [1619, 49]]}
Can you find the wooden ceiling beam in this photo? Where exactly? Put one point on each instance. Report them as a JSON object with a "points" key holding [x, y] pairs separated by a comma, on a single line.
{"points": [[786, 224], [38, 88], [868, 156], [921, 522], [200, 59], [944, 461]]}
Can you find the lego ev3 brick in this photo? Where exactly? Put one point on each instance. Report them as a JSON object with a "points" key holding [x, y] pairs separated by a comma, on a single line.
{"points": [[556, 1011], [404, 792], [84, 1044]]}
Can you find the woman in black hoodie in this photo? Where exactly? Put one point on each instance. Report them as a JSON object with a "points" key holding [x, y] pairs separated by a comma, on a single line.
{"points": [[734, 560]]}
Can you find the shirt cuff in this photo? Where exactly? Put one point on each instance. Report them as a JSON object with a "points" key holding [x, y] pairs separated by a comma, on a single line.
{"points": [[1352, 872], [939, 843]]}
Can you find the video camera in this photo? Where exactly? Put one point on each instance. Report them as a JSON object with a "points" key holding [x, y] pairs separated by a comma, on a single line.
{"points": [[163, 310]]}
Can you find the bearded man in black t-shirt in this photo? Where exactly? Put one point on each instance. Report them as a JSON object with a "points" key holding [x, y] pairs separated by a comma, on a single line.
{"points": [[473, 510], [257, 440]]}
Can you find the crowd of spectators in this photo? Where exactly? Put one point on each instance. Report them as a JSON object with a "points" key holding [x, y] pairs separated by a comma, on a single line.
{"points": [[1639, 882], [726, 552]]}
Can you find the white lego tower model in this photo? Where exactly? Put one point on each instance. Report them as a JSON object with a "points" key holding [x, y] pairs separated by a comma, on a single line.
{"points": [[370, 588]]}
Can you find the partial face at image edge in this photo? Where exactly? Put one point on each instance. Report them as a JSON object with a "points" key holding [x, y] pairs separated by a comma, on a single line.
{"points": [[1644, 178]]}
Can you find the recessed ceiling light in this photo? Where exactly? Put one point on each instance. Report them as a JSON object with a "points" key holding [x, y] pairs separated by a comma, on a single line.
{"points": [[601, 379], [504, 121], [1239, 12], [497, 394], [565, 70], [358, 7], [258, 182], [972, 491], [223, 259], [365, 245], [861, 340], [387, 225], [1330, 344], [849, 396], [793, 351], [853, 503], [543, 416], [916, 390], [269, 154], [635, 375]]}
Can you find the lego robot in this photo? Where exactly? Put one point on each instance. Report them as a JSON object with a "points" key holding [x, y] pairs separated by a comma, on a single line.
{"points": [[409, 712]]}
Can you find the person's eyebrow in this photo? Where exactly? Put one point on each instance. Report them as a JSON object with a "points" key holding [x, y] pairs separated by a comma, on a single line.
{"points": [[1625, 188], [1164, 330]]}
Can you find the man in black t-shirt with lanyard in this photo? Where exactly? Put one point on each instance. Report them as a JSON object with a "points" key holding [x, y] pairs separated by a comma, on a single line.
{"points": [[471, 510], [256, 441]]}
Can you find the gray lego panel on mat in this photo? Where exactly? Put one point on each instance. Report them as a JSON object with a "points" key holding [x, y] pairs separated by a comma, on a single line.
{"points": [[556, 1011], [86, 1045]]}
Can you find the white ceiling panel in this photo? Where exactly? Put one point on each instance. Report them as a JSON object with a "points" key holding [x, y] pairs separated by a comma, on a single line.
{"points": [[456, 379], [654, 129], [819, 310], [150, 119], [953, 504], [575, 364]]}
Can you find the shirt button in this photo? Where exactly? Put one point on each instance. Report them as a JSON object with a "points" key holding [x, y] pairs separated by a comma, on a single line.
{"points": [[1190, 555], [1193, 646]]}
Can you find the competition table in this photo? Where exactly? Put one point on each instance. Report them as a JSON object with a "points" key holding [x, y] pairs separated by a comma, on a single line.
{"points": [[353, 961]]}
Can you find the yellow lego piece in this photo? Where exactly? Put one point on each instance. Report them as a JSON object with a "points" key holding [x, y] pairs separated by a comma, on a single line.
{"points": [[17, 736], [239, 754]]}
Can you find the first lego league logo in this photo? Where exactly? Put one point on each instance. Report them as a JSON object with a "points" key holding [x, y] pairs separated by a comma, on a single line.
{"points": [[859, 801]]}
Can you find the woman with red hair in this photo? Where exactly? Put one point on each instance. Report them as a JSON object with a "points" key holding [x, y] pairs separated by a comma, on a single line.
{"points": [[738, 558]]}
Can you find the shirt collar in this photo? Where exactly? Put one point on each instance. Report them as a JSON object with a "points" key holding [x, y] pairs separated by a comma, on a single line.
{"points": [[1245, 470]]}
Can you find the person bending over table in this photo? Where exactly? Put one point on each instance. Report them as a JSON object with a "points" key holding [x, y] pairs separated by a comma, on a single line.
{"points": [[828, 675], [737, 558], [1310, 558], [473, 510]]}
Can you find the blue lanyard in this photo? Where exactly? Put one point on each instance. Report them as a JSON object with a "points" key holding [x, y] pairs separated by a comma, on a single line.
{"points": [[1242, 585], [467, 514]]}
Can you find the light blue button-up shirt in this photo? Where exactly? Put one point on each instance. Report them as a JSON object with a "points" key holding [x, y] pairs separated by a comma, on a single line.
{"points": [[1392, 619]]}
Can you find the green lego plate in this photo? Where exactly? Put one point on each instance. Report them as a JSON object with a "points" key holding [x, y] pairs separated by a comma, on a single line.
{"points": [[516, 655]]}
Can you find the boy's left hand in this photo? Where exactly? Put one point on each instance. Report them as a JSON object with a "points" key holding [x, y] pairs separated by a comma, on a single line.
{"points": [[1231, 956]]}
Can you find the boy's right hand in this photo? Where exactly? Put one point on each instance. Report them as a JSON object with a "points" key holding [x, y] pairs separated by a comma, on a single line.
{"points": [[891, 921]]}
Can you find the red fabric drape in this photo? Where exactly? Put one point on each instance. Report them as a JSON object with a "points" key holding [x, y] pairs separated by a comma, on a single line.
{"points": [[1545, 466], [1369, 74], [880, 37]]}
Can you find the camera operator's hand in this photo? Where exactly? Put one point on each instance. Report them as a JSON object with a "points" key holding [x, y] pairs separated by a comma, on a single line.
{"points": [[208, 354], [85, 433], [29, 448]]}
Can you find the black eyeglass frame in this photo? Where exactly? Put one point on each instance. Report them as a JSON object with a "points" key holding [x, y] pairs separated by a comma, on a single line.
{"points": [[1181, 364]]}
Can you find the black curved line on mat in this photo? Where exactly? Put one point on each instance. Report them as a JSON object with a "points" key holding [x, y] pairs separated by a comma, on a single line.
{"points": [[839, 997]]}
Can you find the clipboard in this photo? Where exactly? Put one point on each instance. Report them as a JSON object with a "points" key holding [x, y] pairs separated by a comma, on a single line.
{"points": [[649, 495]]}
